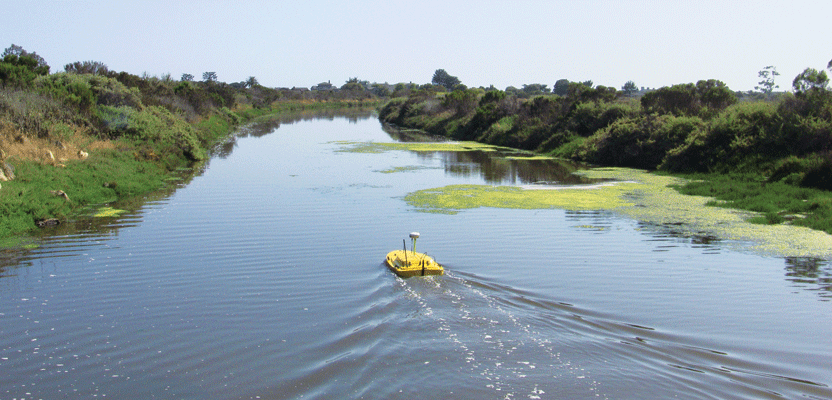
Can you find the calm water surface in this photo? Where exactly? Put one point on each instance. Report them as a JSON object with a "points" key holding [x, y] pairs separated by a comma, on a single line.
{"points": [[262, 277]]}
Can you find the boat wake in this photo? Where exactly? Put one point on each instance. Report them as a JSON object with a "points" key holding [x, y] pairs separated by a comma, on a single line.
{"points": [[498, 348], [519, 344]]}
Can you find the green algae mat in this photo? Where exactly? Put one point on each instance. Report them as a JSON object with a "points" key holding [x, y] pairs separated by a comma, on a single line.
{"points": [[642, 196]]}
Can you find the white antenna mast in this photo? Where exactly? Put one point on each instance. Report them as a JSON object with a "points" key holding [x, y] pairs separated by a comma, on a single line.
{"points": [[413, 237]]}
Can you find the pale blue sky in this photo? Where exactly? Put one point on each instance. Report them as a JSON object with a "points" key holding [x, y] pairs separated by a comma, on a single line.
{"points": [[504, 43]]}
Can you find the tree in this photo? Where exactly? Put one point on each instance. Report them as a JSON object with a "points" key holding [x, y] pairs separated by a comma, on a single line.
{"points": [[812, 98], [353, 85], [209, 76], [810, 80], [87, 67], [251, 82], [561, 87], [629, 88], [20, 52], [187, 78], [20, 70], [767, 84], [535, 89], [715, 94], [440, 77]]}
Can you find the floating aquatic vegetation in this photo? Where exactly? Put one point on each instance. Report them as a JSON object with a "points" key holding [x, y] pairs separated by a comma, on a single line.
{"points": [[643, 196], [591, 227], [459, 197], [655, 202], [408, 168], [108, 212], [529, 158]]}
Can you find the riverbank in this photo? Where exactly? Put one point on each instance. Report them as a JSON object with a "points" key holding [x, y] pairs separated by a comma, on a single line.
{"points": [[73, 171], [769, 157]]}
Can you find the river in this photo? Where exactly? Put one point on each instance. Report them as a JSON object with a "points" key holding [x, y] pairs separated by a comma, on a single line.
{"points": [[260, 276]]}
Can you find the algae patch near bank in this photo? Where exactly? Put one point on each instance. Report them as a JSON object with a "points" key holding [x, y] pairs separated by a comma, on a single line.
{"points": [[108, 212], [646, 197], [457, 197]]}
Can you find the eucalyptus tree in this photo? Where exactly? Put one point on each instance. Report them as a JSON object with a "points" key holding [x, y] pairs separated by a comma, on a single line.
{"points": [[767, 84]]}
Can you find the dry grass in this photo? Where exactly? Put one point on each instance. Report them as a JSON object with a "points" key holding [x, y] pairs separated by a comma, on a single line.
{"points": [[18, 146]]}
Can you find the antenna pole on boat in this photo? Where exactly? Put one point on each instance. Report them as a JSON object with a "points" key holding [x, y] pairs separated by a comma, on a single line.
{"points": [[404, 244], [413, 236]]}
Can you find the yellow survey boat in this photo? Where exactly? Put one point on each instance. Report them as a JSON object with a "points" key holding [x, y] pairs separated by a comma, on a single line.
{"points": [[410, 263]]}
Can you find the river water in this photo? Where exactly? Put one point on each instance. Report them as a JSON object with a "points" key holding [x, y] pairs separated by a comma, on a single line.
{"points": [[261, 277]]}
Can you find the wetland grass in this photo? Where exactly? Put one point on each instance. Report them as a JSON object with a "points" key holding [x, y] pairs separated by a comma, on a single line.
{"points": [[106, 176], [776, 202]]}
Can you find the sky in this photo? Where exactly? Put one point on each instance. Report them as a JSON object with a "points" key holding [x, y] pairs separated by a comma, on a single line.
{"points": [[501, 43]]}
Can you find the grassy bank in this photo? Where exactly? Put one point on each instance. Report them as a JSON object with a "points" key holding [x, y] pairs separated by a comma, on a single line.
{"points": [[73, 140], [50, 190], [772, 156]]}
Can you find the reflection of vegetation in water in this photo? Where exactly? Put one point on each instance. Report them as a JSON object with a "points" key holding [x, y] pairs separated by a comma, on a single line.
{"points": [[804, 271], [376, 147], [495, 164], [266, 124], [458, 197]]}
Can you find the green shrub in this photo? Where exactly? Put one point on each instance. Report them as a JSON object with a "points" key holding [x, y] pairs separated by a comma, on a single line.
{"points": [[36, 113], [705, 98], [461, 102], [157, 129], [570, 148], [792, 169], [589, 117], [641, 142], [20, 71], [741, 135], [72, 89], [391, 110], [819, 176]]}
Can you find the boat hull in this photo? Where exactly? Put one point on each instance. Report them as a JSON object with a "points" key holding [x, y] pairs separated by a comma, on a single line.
{"points": [[408, 263]]}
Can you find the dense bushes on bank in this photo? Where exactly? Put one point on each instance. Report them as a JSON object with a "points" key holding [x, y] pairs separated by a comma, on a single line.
{"points": [[697, 127], [772, 155]]}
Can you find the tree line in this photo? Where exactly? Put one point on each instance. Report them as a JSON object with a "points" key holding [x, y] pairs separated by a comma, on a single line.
{"points": [[689, 127]]}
